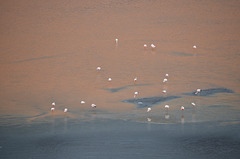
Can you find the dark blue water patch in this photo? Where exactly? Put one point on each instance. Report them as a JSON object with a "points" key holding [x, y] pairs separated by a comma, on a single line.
{"points": [[144, 84], [182, 54], [219, 106], [208, 92], [149, 101], [33, 59], [114, 90]]}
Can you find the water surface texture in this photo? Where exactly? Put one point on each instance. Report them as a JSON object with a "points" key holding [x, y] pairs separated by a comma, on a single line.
{"points": [[50, 51], [150, 101], [208, 92]]}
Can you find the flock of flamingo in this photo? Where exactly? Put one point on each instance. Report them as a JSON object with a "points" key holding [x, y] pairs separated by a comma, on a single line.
{"points": [[135, 93]]}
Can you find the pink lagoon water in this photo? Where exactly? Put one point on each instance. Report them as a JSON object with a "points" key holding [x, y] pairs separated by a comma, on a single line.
{"points": [[50, 51]]}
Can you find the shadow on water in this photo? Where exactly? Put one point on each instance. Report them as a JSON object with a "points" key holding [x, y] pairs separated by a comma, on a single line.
{"points": [[182, 54], [35, 59], [149, 101], [114, 90], [208, 92]]}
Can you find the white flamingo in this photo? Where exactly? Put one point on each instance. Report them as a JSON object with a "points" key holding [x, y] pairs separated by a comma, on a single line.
{"points": [[98, 68], [82, 102], [52, 109], [135, 79], [198, 91], [93, 105], [167, 107], [135, 94], [53, 104], [182, 107], [149, 109], [65, 110], [165, 80], [153, 46]]}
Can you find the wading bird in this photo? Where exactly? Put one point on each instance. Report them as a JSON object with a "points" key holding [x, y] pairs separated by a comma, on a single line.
{"points": [[167, 107], [198, 91], [135, 94], [93, 106], [182, 107], [149, 109], [135, 79], [82, 102], [153, 46], [165, 80]]}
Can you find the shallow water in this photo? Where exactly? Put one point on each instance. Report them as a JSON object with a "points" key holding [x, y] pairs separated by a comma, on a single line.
{"points": [[107, 138], [49, 52]]}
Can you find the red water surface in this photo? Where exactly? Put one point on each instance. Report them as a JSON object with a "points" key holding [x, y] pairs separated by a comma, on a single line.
{"points": [[49, 51]]}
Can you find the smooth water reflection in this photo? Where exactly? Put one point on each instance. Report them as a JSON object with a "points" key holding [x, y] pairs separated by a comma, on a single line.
{"points": [[123, 138]]}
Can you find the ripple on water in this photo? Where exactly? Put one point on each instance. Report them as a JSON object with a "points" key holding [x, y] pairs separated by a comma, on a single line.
{"points": [[212, 146]]}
